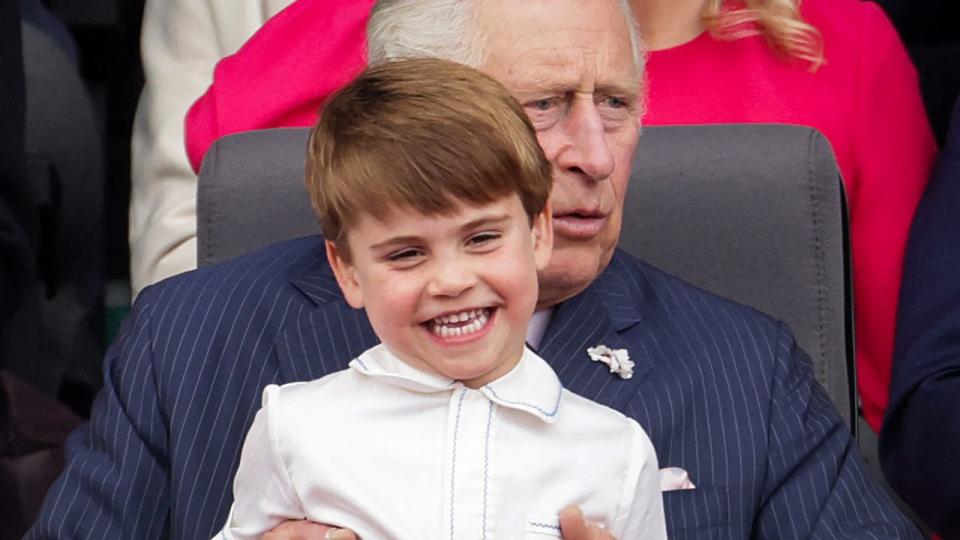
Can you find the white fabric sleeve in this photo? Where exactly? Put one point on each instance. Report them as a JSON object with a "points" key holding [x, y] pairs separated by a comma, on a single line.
{"points": [[264, 496], [641, 509], [181, 42]]}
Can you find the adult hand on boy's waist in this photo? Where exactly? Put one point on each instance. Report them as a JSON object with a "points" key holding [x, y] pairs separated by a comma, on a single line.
{"points": [[572, 523], [307, 530], [574, 526]]}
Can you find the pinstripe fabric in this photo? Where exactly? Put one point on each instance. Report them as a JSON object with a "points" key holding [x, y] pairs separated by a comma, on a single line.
{"points": [[722, 391]]}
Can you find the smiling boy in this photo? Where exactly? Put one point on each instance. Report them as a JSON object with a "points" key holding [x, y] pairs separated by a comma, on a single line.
{"points": [[432, 194]]}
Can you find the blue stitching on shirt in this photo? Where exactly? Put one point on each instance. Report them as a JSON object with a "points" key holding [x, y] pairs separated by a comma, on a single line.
{"points": [[453, 467], [556, 406], [363, 364], [486, 468], [543, 525]]}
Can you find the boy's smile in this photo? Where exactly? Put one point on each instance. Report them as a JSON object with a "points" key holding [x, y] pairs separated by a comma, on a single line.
{"points": [[465, 323], [451, 293]]}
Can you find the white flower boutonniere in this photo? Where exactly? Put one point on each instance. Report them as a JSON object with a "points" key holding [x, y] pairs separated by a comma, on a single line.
{"points": [[618, 360]]}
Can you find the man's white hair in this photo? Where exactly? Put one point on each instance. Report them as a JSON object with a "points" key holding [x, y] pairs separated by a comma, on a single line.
{"points": [[448, 29]]}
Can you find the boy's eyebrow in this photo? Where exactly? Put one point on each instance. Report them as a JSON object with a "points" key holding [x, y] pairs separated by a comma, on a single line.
{"points": [[485, 221], [395, 241]]}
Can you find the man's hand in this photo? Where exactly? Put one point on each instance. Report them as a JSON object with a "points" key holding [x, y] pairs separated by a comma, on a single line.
{"points": [[573, 526], [307, 530]]}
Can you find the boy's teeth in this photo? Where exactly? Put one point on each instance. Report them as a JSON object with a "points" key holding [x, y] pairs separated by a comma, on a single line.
{"points": [[477, 318]]}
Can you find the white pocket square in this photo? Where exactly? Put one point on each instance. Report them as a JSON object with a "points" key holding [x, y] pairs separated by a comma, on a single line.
{"points": [[674, 478]]}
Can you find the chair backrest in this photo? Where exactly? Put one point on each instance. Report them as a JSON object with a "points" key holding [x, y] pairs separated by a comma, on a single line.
{"points": [[754, 213]]}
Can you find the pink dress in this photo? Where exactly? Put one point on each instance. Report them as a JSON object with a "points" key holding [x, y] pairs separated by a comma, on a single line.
{"points": [[866, 101]]}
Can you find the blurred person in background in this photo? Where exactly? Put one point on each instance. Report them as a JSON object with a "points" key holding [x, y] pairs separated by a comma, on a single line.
{"points": [[920, 440], [181, 41]]}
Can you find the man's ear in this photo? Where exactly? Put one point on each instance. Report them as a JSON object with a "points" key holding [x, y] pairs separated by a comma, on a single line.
{"points": [[345, 274], [542, 231]]}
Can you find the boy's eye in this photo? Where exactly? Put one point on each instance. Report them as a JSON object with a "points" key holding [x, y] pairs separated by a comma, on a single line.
{"points": [[404, 255], [482, 238]]}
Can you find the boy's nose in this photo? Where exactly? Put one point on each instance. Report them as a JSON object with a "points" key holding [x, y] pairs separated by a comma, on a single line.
{"points": [[451, 280]]}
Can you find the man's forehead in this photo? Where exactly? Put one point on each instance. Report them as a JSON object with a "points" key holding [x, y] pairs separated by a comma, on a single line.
{"points": [[559, 42], [571, 67]]}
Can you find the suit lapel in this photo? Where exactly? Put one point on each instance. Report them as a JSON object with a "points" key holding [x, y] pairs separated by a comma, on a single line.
{"points": [[325, 334], [600, 315]]}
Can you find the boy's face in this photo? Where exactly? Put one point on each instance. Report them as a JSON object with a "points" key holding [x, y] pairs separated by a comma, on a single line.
{"points": [[449, 294]]}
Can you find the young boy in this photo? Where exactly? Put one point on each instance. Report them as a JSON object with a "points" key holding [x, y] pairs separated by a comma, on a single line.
{"points": [[432, 194]]}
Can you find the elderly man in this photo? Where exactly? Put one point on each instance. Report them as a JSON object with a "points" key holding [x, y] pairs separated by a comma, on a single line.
{"points": [[724, 392]]}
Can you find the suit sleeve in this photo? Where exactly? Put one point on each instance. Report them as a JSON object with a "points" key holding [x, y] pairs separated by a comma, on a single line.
{"points": [[116, 480], [816, 484], [264, 496], [920, 440]]}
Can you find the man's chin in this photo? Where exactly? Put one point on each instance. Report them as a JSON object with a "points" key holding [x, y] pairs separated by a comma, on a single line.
{"points": [[564, 278]]}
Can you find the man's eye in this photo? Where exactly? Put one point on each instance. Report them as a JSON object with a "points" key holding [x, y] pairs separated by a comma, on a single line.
{"points": [[615, 102], [544, 104]]}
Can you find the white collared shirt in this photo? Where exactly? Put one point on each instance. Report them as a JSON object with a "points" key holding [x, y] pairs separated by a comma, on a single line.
{"points": [[389, 451]]}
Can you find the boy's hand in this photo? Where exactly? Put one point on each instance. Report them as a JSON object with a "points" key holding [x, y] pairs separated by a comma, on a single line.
{"points": [[307, 530], [574, 526]]}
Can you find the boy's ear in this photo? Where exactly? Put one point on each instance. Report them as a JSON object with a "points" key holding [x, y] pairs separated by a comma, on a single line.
{"points": [[345, 274], [542, 231]]}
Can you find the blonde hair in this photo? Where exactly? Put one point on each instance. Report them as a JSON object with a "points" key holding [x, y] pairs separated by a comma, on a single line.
{"points": [[778, 21], [421, 134]]}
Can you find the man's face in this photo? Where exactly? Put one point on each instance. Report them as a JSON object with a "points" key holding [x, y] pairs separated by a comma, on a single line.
{"points": [[569, 63]]}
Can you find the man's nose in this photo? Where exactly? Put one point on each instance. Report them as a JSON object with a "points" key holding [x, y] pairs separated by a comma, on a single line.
{"points": [[451, 279], [587, 151]]}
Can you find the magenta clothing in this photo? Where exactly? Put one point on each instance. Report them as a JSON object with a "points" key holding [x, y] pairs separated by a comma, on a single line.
{"points": [[865, 99], [283, 73]]}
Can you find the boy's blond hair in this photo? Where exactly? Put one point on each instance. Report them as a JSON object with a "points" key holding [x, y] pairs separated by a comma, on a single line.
{"points": [[421, 134]]}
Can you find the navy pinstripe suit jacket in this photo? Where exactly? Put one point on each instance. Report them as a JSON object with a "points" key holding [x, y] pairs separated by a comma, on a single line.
{"points": [[722, 390]]}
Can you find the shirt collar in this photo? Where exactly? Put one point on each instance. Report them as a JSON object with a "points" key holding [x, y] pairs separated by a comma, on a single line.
{"points": [[538, 326], [378, 362], [531, 386]]}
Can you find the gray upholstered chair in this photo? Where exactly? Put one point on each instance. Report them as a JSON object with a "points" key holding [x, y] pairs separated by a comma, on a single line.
{"points": [[751, 212]]}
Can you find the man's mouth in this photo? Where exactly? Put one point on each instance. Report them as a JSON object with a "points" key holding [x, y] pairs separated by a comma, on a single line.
{"points": [[578, 224], [461, 323]]}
